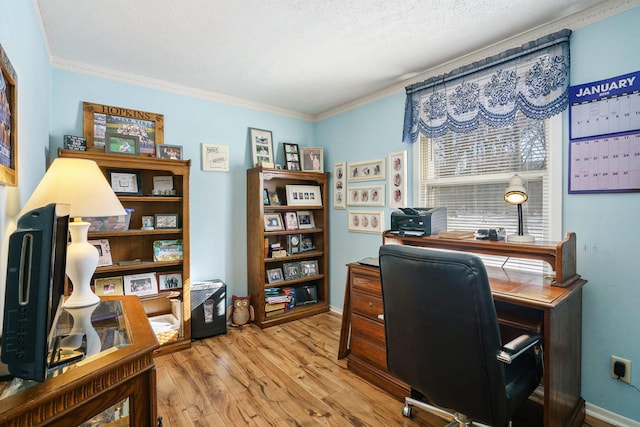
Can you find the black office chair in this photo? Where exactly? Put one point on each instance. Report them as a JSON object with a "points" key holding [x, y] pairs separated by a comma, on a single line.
{"points": [[443, 339]]}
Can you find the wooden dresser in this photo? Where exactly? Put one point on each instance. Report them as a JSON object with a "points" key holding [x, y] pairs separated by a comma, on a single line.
{"points": [[524, 302]]}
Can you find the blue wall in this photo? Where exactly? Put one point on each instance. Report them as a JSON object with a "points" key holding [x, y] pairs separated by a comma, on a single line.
{"points": [[50, 102]]}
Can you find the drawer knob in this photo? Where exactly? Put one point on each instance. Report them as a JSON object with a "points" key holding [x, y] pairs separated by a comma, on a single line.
{"points": [[370, 304]]}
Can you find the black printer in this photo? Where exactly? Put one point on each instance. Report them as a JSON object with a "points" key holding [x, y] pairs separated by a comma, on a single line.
{"points": [[418, 221]]}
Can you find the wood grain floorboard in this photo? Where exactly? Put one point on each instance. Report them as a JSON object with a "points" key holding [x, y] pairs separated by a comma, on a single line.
{"points": [[286, 375]]}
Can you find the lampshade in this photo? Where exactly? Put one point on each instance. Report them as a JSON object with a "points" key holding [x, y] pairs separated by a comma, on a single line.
{"points": [[79, 183], [515, 194]]}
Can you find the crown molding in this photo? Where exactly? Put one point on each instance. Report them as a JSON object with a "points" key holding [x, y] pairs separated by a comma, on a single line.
{"points": [[577, 20]]}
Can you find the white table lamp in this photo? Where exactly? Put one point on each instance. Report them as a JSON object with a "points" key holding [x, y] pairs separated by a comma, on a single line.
{"points": [[80, 184], [516, 194]]}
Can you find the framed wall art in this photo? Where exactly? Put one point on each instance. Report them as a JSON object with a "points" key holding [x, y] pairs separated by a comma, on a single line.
{"points": [[366, 221], [398, 179], [122, 144], [370, 195], [99, 120], [262, 147], [291, 156], [312, 159], [339, 187], [140, 284], [125, 182], [215, 157], [168, 281], [169, 152], [303, 195], [109, 286], [8, 121], [104, 252], [370, 170]]}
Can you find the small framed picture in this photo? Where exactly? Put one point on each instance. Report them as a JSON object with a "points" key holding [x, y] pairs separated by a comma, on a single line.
{"points": [[122, 144], [339, 186], [166, 220], [265, 197], [147, 222], [104, 252], [306, 243], [274, 275], [312, 159], [309, 268], [273, 222], [293, 244], [109, 286], [169, 152], [261, 147], [292, 270], [305, 220], [168, 250], [291, 221], [370, 170], [274, 199], [140, 284], [125, 182], [291, 156], [169, 281], [303, 195]]}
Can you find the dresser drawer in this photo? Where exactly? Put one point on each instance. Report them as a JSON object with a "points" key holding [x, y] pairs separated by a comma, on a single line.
{"points": [[366, 281], [367, 329], [366, 350], [366, 304]]}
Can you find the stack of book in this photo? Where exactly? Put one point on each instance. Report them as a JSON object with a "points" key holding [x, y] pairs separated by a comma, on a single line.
{"points": [[277, 250], [277, 301]]}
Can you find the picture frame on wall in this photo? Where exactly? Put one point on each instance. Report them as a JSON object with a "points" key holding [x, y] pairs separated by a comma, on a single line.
{"points": [[125, 182], [215, 158], [122, 144], [262, 147], [370, 170], [312, 159], [369, 195], [303, 195], [98, 120], [8, 121], [108, 286], [291, 156], [398, 179], [339, 186], [366, 221]]}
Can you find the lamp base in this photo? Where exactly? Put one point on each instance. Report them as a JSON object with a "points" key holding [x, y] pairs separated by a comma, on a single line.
{"points": [[516, 238], [82, 260]]}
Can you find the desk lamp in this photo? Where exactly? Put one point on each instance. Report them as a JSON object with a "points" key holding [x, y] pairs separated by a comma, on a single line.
{"points": [[516, 194], [80, 184]]}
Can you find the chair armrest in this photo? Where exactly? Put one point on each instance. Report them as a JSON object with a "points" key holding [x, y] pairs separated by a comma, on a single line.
{"points": [[517, 346]]}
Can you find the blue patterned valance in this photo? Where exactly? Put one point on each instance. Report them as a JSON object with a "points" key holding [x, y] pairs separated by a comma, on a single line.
{"points": [[533, 78]]}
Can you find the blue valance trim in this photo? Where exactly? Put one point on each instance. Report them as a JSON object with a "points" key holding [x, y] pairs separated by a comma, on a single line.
{"points": [[533, 78]]}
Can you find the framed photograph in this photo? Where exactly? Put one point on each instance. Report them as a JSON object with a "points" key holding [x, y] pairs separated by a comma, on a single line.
{"points": [[291, 156], [104, 252], [169, 152], [294, 242], [274, 199], [122, 144], [125, 182], [75, 143], [265, 197], [261, 147], [309, 268], [274, 275], [140, 284], [168, 250], [169, 281], [370, 195], [398, 179], [305, 220], [273, 222], [371, 170], [366, 221], [8, 121], [312, 159], [215, 157], [306, 243], [99, 120], [147, 222], [292, 270], [291, 220], [339, 186], [166, 221], [109, 286], [303, 195]]}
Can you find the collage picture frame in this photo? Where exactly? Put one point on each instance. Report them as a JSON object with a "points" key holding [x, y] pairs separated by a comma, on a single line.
{"points": [[262, 147], [303, 195], [366, 221], [291, 156], [370, 195], [339, 186], [398, 179], [369, 170]]}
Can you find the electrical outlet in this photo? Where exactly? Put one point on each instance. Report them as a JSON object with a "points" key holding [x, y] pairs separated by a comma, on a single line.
{"points": [[627, 369]]}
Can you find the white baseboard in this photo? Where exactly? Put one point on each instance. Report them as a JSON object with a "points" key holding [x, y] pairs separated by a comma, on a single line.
{"points": [[610, 417]]}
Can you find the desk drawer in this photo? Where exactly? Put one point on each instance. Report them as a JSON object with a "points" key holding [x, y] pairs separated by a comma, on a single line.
{"points": [[369, 283], [366, 350], [367, 305], [367, 329]]}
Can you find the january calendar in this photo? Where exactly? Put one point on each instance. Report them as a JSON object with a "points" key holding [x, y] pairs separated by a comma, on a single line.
{"points": [[604, 135]]}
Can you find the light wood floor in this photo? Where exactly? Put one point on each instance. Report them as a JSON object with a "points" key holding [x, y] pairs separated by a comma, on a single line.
{"points": [[286, 375]]}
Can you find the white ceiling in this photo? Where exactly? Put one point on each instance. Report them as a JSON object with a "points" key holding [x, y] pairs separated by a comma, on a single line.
{"points": [[302, 56]]}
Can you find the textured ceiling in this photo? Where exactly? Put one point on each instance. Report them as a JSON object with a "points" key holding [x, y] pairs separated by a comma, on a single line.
{"points": [[303, 56]]}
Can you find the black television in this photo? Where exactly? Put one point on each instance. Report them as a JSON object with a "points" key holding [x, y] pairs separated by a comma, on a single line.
{"points": [[34, 289]]}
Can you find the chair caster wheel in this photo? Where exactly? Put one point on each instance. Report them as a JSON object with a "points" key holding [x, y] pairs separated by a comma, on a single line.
{"points": [[406, 411]]}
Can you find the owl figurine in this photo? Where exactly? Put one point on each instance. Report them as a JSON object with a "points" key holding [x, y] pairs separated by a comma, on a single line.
{"points": [[241, 311]]}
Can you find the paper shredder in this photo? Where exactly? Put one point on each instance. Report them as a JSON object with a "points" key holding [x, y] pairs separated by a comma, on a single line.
{"points": [[208, 308]]}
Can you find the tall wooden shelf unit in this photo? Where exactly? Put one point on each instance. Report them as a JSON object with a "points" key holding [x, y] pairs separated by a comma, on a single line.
{"points": [[259, 261], [136, 244]]}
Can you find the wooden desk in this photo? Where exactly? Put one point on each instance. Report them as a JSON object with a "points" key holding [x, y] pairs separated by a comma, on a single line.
{"points": [[523, 302], [86, 389]]}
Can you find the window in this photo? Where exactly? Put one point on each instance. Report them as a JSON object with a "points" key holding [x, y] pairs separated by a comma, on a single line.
{"points": [[468, 173]]}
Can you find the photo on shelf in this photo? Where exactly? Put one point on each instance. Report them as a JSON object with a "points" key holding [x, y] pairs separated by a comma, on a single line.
{"points": [[273, 222], [274, 275], [309, 268], [306, 243], [291, 221], [140, 284], [292, 270], [104, 252], [265, 197], [166, 221], [109, 286], [169, 281], [167, 250], [304, 195], [305, 220], [274, 199]]}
